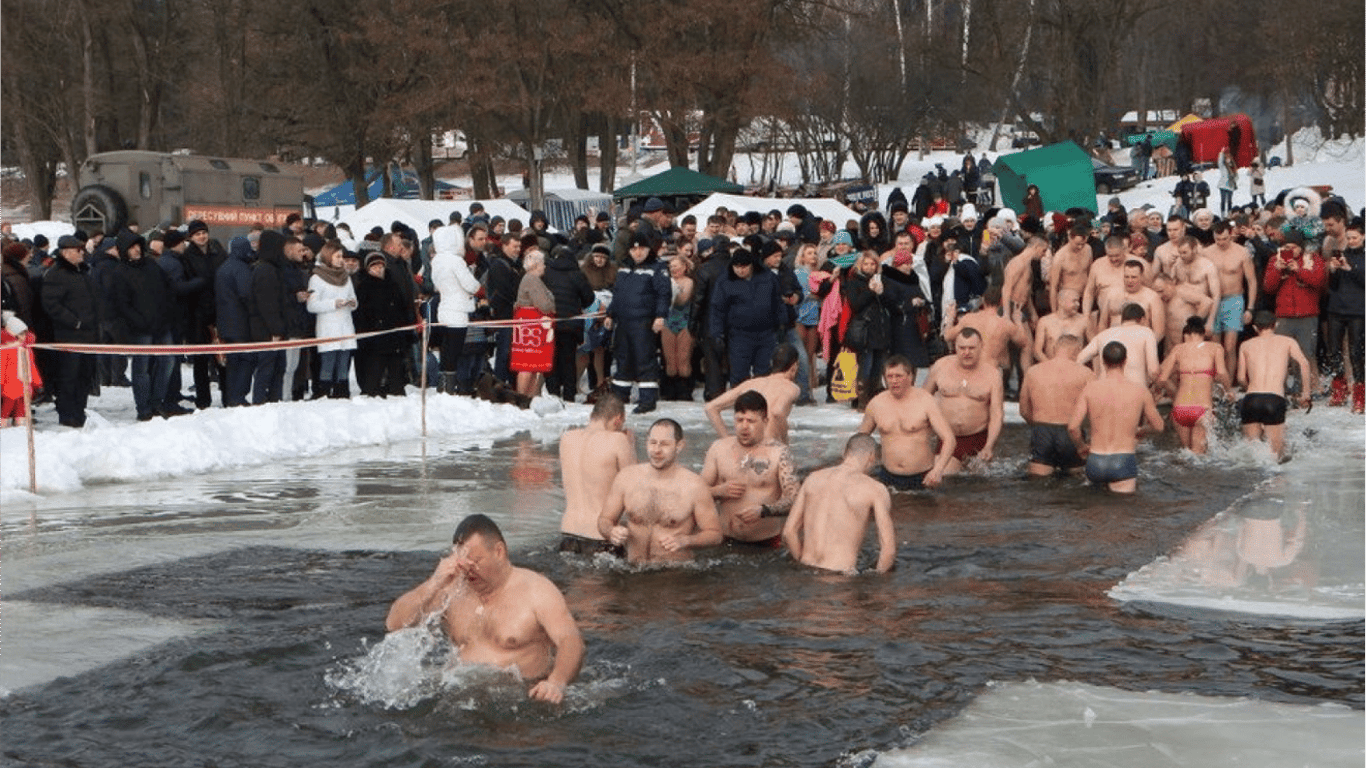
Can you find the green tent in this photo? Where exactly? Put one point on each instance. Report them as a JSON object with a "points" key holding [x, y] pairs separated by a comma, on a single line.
{"points": [[1062, 172], [1160, 137], [677, 182]]}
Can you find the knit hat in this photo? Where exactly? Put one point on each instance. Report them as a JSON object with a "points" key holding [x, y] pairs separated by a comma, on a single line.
{"points": [[969, 212], [843, 236], [653, 204], [196, 226], [375, 256], [68, 241], [172, 238]]}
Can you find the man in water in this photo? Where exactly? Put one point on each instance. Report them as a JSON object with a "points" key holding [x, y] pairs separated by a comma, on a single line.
{"points": [[1237, 287], [751, 477], [1116, 407], [904, 416], [1132, 290], [1065, 319], [826, 527], [1263, 362], [971, 396], [1051, 389], [496, 613], [590, 459], [1138, 340], [779, 389], [668, 509]]}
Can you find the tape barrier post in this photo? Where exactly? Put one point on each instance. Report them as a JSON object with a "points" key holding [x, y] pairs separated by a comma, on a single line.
{"points": [[422, 353], [26, 379]]}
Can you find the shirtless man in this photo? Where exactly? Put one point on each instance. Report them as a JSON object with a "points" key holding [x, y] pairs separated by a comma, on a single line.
{"points": [[1071, 263], [1197, 273], [779, 389], [1106, 274], [826, 527], [590, 459], [1165, 254], [1137, 338], [751, 477], [668, 508], [496, 613], [971, 396], [1116, 408], [1263, 362], [1019, 278], [1237, 288], [1065, 319], [1051, 390], [1180, 304], [1133, 291], [904, 417], [997, 332]]}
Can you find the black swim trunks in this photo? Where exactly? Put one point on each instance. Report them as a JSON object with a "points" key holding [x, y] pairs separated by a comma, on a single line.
{"points": [[1050, 445], [775, 542], [915, 482], [582, 545], [1263, 408]]}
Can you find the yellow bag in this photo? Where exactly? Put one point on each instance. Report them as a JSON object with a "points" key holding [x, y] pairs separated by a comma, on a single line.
{"points": [[846, 374]]}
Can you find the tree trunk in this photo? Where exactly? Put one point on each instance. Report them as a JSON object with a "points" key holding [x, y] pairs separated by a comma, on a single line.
{"points": [[578, 148], [607, 155], [88, 94], [423, 165], [535, 179], [356, 171]]}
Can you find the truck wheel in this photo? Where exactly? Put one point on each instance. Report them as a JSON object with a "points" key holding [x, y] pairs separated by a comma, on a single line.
{"points": [[98, 207]]}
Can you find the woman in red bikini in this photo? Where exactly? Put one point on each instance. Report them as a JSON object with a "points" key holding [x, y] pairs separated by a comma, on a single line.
{"points": [[1199, 364]]}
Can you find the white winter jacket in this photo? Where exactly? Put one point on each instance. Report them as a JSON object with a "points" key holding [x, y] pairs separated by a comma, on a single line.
{"points": [[452, 277], [322, 302]]}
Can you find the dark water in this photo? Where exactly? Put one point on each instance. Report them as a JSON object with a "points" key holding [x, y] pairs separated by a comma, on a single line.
{"points": [[745, 661]]}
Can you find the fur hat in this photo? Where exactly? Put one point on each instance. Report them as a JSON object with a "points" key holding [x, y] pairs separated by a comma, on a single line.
{"points": [[196, 226]]}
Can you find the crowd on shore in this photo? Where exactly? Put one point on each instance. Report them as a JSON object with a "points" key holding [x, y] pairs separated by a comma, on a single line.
{"points": [[661, 307]]}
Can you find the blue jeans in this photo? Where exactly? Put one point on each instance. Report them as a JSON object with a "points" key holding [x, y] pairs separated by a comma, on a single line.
{"points": [[151, 374], [502, 354], [334, 365], [803, 362]]}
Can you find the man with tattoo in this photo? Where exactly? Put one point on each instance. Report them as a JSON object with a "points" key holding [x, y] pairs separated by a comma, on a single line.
{"points": [[751, 477]]}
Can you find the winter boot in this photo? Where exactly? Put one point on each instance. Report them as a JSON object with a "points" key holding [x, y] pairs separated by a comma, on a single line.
{"points": [[649, 397], [445, 383], [684, 391], [1339, 392], [1359, 398], [340, 390], [324, 389]]}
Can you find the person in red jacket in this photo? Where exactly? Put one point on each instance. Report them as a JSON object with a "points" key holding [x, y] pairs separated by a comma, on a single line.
{"points": [[1295, 277]]}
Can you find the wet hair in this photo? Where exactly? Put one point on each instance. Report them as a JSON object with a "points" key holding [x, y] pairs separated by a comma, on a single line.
{"points": [[992, 296], [480, 524], [1222, 226], [1263, 319], [1079, 229], [969, 332], [670, 423], [1195, 324], [1116, 243], [1187, 241], [1132, 311], [1133, 263], [1067, 339], [751, 401], [860, 445], [897, 361], [1114, 354], [784, 357], [608, 407]]}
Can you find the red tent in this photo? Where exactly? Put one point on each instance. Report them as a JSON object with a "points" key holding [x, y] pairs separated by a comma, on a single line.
{"points": [[1207, 137]]}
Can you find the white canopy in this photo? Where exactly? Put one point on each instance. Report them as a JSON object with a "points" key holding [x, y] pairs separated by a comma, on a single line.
{"points": [[824, 207], [385, 211]]}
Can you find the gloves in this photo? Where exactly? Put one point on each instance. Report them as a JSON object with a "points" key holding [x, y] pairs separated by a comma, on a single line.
{"points": [[16, 327]]}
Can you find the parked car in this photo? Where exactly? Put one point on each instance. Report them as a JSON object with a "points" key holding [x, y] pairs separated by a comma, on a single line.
{"points": [[1112, 178]]}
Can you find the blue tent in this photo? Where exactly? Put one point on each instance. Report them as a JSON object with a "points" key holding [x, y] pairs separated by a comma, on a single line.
{"points": [[404, 183]]}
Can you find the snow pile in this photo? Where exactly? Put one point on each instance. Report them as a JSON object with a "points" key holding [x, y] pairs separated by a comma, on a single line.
{"points": [[113, 446]]}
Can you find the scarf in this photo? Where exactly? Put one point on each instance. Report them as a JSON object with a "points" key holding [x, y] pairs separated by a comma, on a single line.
{"points": [[332, 275]]}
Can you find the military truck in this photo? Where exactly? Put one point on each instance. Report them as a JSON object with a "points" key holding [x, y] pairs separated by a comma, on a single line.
{"points": [[161, 188]]}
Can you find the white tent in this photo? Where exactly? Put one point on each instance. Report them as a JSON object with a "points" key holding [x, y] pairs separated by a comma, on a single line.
{"points": [[385, 211], [824, 207]]}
